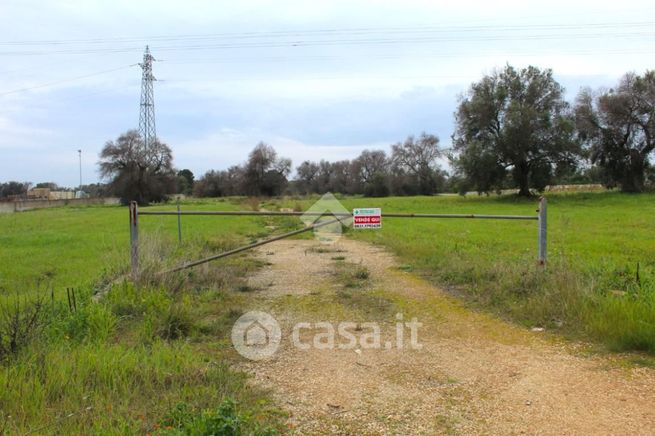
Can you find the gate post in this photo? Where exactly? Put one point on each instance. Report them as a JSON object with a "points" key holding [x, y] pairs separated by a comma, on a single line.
{"points": [[543, 230], [134, 239], [179, 222]]}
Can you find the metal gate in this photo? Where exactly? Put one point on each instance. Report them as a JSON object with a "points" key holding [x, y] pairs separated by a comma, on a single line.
{"points": [[541, 219]]}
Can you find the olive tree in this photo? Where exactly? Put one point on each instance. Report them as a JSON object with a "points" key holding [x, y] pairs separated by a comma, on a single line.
{"points": [[514, 122], [618, 127]]}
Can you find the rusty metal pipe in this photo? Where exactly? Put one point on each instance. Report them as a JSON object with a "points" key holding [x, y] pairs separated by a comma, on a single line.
{"points": [[249, 247], [339, 215]]}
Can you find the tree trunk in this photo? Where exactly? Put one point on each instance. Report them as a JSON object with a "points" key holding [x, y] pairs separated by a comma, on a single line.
{"points": [[633, 180], [522, 178]]}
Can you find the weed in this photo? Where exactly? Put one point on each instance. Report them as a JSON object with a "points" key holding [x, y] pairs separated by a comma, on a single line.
{"points": [[245, 288], [175, 323], [368, 304], [224, 420], [92, 323], [224, 243], [253, 203], [321, 249], [351, 275], [20, 322]]}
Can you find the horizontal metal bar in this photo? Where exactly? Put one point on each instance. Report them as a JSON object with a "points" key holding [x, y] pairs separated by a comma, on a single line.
{"points": [[342, 215], [447, 215], [242, 213], [249, 247]]}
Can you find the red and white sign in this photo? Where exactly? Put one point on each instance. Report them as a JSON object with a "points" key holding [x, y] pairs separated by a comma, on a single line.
{"points": [[367, 218]]}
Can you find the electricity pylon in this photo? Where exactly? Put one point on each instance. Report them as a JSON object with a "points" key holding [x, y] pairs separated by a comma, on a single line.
{"points": [[147, 115]]}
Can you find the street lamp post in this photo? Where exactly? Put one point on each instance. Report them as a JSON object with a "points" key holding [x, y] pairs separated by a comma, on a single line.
{"points": [[80, 154]]}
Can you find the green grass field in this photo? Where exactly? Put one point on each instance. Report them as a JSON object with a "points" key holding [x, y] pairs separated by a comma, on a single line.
{"points": [[76, 246], [156, 354], [600, 280]]}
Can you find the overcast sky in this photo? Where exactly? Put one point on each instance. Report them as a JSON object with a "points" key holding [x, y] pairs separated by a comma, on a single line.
{"points": [[315, 79]]}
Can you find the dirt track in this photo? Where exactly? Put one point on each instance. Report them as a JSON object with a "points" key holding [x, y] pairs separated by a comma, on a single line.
{"points": [[474, 373]]}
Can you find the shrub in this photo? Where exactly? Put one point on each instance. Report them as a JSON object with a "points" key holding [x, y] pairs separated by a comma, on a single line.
{"points": [[223, 421], [20, 322]]}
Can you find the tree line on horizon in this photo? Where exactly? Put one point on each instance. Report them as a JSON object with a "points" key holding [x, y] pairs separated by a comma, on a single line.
{"points": [[411, 169], [514, 130]]}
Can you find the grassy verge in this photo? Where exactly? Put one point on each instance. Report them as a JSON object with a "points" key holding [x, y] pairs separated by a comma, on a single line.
{"points": [[130, 364], [150, 357]]}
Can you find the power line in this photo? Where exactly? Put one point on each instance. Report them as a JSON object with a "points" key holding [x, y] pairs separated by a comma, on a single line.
{"points": [[300, 58], [404, 55], [382, 36], [339, 31], [44, 85], [342, 42], [325, 38]]}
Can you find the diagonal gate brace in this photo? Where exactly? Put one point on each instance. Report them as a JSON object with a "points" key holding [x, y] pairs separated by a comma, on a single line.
{"points": [[249, 247]]}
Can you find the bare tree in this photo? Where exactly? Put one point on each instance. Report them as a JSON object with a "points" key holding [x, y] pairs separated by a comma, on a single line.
{"points": [[323, 177], [342, 178], [306, 175], [419, 159], [260, 160], [372, 168], [265, 173], [370, 163]]}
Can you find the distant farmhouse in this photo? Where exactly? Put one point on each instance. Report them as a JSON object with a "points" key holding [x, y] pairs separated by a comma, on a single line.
{"points": [[48, 194]]}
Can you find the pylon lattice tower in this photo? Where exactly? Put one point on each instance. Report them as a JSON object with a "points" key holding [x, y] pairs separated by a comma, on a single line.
{"points": [[147, 115]]}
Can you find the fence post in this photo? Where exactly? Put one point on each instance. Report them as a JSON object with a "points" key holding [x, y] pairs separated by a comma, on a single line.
{"points": [[134, 238], [179, 222], [543, 230]]}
